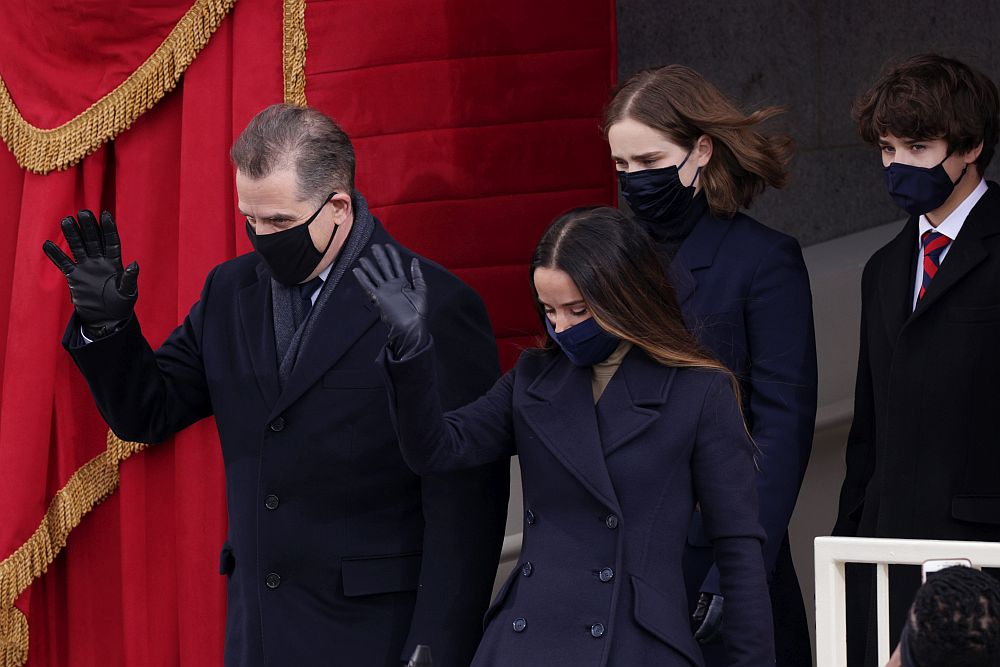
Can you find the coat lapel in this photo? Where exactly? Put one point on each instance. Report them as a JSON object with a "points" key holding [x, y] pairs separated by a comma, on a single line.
{"points": [[697, 252], [559, 407], [895, 279], [630, 403], [967, 251], [348, 314], [258, 333]]}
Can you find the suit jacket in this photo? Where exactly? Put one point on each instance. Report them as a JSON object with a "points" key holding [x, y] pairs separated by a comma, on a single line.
{"points": [[336, 553], [608, 495], [744, 291], [923, 452]]}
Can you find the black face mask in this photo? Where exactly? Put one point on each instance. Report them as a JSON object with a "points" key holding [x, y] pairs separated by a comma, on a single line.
{"points": [[657, 195], [920, 190], [290, 254]]}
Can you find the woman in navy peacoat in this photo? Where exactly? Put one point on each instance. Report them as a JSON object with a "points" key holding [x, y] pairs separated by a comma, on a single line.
{"points": [[611, 473]]}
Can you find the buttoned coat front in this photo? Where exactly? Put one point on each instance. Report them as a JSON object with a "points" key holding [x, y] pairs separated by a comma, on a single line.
{"points": [[608, 496], [337, 554]]}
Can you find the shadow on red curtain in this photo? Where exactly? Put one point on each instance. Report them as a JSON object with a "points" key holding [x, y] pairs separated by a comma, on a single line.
{"points": [[475, 124]]}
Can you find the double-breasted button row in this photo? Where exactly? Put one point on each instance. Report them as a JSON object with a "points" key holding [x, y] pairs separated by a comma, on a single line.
{"points": [[520, 624], [272, 580]]}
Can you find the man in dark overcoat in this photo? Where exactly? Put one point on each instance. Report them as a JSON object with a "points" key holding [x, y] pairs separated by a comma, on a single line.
{"points": [[923, 454], [336, 553]]}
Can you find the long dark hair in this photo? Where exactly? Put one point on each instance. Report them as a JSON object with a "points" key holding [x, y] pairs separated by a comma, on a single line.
{"points": [[682, 105], [613, 263]]}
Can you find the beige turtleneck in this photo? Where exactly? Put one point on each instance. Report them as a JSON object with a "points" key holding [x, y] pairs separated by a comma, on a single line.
{"points": [[604, 371]]}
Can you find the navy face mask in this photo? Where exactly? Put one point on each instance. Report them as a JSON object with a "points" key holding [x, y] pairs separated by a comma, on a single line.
{"points": [[585, 343], [290, 254], [657, 195], [919, 190]]}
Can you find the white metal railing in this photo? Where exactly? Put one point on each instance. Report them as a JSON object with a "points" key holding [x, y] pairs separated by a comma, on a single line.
{"points": [[831, 553]]}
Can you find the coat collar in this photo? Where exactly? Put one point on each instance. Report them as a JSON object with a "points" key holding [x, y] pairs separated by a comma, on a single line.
{"points": [[346, 317], [967, 251], [697, 252], [559, 407], [631, 401]]}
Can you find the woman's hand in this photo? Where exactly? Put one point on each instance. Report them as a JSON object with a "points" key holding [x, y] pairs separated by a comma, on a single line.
{"points": [[403, 303]]}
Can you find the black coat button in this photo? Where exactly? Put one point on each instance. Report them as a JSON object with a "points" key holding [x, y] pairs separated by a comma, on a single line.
{"points": [[611, 521], [520, 624], [271, 502], [597, 630], [272, 580], [278, 425], [527, 569], [606, 575], [529, 516]]}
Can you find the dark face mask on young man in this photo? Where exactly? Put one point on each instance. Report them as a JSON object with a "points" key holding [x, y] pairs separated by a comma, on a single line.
{"points": [[657, 195], [585, 343], [919, 190], [290, 254]]}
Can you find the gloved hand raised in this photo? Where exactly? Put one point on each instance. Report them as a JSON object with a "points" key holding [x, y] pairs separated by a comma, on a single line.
{"points": [[403, 305], [708, 616], [102, 292]]}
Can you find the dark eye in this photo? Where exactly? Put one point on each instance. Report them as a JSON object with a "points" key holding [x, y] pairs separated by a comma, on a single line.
{"points": [[578, 313]]}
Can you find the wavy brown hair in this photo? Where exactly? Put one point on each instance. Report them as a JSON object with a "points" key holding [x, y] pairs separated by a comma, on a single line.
{"points": [[683, 105], [928, 96], [613, 263]]}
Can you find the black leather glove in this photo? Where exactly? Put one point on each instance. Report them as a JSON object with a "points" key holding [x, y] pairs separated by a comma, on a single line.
{"points": [[102, 292], [403, 306], [708, 617]]}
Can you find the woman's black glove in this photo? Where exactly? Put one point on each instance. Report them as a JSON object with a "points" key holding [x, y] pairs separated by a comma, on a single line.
{"points": [[708, 616], [403, 305], [102, 292]]}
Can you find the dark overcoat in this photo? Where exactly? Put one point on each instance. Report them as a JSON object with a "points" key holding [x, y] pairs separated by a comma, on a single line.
{"points": [[337, 554], [608, 496], [744, 291], [923, 453]]}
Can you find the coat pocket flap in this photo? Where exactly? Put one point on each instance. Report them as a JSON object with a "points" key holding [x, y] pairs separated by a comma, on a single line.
{"points": [[371, 575], [976, 508], [661, 618], [227, 561]]}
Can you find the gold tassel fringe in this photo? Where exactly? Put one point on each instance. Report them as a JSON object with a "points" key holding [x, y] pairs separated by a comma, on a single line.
{"points": [[92, 483], [44, 150], [294, 52]]}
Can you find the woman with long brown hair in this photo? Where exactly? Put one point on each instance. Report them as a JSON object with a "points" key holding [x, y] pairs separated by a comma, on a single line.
{"points": [[622, 423], [688, 161]]}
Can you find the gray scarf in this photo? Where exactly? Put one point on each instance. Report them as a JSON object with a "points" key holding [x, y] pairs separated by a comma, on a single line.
{"points": [[290, 340]]}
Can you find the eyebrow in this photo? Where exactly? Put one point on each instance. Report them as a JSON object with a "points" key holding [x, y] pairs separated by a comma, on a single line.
{"points": [[277, 217], [642, 156]]}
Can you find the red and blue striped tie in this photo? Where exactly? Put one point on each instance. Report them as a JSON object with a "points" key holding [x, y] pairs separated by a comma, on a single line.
{"points": [[933, 244]]}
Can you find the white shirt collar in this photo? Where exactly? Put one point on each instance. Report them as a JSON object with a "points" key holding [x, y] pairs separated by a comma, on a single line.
{"points": [[325, 273], [952, 225]]}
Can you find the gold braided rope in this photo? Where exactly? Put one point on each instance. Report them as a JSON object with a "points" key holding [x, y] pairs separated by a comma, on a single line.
{"points": [[44, 150], [87, 487], [293, 55]]}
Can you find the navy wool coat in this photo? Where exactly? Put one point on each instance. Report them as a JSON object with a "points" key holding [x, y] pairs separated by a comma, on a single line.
{"points": [[337, 554], [744, 292], [608, 495]]}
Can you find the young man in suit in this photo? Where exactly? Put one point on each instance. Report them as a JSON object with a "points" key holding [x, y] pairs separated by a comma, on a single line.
{"points": [[922, 455], [336, 552]]}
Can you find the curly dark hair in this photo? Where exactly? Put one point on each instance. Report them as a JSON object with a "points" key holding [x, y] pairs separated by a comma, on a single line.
{"points": [[955, 620]]}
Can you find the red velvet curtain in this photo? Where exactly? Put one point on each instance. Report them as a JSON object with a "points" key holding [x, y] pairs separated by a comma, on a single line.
{"points": [[475, 124]]}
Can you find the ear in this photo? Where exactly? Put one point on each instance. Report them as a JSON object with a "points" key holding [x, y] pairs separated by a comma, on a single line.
{"points": [[343, 208], [972, 155], [703, 150]]}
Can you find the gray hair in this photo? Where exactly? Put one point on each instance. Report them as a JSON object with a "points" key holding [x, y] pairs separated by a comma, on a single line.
{"points": [[307, 140]]}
